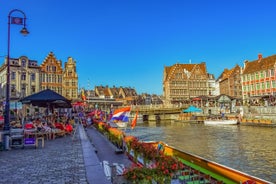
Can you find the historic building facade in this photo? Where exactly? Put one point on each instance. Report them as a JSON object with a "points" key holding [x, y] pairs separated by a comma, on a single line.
{"points": [[51, 74], [258, 77], [212, 87], [27, 77], [230, 82], [70, 80], [181, 82], [126, 94], [24, 78]]}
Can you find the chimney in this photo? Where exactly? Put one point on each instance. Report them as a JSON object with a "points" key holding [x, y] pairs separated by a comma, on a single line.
{"points": [[260, 56]]}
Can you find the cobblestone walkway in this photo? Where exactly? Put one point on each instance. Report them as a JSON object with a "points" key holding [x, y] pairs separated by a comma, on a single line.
{"points": [[60, 161]]}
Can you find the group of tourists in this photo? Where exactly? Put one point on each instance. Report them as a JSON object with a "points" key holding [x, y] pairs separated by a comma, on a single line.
{"points": [[51, 125]]}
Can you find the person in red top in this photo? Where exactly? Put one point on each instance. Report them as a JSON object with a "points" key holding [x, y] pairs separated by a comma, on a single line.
{"points": [[59, 126], [68, 128], [29, 126]]}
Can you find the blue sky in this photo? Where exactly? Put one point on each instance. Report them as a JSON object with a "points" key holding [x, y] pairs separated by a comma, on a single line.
{"points": [[128, 42]]}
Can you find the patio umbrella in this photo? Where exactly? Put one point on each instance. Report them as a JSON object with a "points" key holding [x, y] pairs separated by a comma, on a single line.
{"points": [[192, 109], [47, 98]]}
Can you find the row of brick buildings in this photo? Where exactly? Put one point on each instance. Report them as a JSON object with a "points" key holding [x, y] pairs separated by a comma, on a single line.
{"points": [[255, 80], [124, 95], [181, 82]]}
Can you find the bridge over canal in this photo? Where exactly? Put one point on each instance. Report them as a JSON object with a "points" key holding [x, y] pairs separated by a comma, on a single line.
{"points": [[158, 112]]}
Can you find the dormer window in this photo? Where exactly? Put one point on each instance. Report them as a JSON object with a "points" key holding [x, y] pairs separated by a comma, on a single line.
{"points": [[23, 63]]}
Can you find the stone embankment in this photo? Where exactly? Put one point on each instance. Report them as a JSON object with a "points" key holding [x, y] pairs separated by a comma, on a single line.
{"points": [[254, 115]]}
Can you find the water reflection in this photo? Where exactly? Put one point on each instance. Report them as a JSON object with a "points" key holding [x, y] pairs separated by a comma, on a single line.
{"points": [[245, 148]]}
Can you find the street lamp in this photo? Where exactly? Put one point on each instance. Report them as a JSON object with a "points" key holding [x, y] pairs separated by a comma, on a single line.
{"points": [[24, 31]]}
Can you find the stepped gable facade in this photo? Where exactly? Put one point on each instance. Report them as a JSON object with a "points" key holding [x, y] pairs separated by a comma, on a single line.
{"points": [[51, 74], [70, 80]]}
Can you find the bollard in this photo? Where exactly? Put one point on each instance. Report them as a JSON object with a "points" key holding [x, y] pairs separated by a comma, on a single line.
{"points": [[113, 174], [7, 142]]}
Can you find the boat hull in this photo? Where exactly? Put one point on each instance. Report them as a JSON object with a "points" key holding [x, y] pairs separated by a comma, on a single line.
{"points": [[221, 122], [231, 174]]}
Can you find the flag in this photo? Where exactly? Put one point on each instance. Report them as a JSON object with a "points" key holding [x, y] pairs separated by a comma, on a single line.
{"points": [[17, 20], [83, 95], [134, 121], [121, 114]]}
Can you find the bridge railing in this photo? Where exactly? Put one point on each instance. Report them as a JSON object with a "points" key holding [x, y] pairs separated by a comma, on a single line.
{"points": [[155, 107]]}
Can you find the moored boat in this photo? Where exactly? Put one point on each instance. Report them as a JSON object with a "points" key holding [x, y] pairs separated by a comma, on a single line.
{"points": [[219, 173], [220, 122]]}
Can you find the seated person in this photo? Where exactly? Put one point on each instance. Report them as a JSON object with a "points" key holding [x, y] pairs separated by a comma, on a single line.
{"points": [[68, 128], [45, 127], [29, 125], [59, 126]]}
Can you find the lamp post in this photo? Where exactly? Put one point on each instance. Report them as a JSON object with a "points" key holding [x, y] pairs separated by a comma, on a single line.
{"points": [[24, 31]]}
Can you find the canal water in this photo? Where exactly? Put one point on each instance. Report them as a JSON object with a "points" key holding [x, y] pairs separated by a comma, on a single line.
{"points": [[249, 149]]}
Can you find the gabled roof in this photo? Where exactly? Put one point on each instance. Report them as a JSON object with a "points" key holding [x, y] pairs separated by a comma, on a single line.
{"points": [[227, 73], [115, 92], [169, 70], [259, 64]]}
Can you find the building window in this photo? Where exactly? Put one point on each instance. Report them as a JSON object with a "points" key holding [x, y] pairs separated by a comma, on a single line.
{"points": [[272, 72], [23, 90], [33, 89], [252, 87], [13, 75], [23, 76], [59, 79], [267, 73], [263, 85], [32, 77], [23, 63], [258, 86], [252, 77], [273, 84], [13, 88], [257, 76], [267, 84], [54, 79], [262, 74], [49, 78]]}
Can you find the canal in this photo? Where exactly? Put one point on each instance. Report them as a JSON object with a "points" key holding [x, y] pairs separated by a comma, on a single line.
{"points": [[248, 149]]}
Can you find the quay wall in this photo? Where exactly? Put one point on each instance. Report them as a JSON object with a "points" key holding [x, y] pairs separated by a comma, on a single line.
{"points": [[154, 113], [257, 112]]}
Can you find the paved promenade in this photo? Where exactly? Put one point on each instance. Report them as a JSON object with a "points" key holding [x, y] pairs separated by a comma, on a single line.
{"points": [[64, 160]]}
